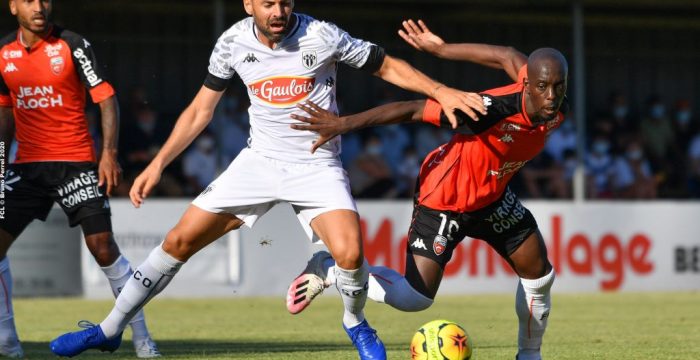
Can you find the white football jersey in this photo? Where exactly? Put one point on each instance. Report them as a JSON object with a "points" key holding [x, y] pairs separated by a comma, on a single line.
{"points": [[303, 66]]}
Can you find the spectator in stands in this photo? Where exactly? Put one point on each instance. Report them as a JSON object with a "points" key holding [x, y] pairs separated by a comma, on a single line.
{"points": [[632, 176], [200, 165], [693, 164], [370, 175], [407, 172], [599, 166], [657, 133]]}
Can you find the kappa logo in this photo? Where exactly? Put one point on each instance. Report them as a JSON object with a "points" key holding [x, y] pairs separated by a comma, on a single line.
{"points": [[250, 58], [11, 179], [507, 138], [487, 101], [439, 244], [10, 67], [308, 59], [419, 244]]}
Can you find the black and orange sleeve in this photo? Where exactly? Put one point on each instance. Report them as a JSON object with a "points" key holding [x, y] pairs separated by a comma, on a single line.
{"points": [[85, 61], [5, 99]]}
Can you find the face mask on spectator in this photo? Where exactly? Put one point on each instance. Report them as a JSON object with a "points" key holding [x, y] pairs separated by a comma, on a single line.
{"points": [[374, 149], [601, 147], [620, 111], [683, 117], [658, 111], [635, 154], [205, 144]]}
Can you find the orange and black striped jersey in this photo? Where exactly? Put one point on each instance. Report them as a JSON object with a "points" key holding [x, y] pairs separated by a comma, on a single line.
{"points": [[474, 168], [45, 86]]}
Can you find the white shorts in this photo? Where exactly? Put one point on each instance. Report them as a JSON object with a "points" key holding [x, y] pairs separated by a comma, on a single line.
{"points": [[253, 184]]}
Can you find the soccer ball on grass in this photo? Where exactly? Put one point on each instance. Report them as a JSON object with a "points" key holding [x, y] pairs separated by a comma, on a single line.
{"points": [[441, 340]]}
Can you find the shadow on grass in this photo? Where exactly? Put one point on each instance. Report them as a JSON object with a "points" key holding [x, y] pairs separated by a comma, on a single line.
{"points": [[204, 348]]}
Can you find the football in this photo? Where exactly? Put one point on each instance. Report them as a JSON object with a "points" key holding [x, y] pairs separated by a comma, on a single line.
{"points": [[441, 340]]}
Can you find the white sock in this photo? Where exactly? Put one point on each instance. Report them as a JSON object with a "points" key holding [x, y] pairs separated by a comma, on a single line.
{"points": [[118, 273], [388, 286], [149, 279], [8, 332], [532, 304], [352, 285]]}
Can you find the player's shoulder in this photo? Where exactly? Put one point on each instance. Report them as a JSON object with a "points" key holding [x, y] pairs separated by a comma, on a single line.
{"points": [[240, 27], [316, 26], [8, 39], [71, 37], [501, 103]]}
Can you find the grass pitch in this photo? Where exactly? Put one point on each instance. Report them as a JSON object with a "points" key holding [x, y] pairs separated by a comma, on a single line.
{"points": [[586, 326]]}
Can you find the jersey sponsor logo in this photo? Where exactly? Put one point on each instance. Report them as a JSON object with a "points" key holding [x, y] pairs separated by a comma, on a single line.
{"points": [[82, 188], [11, 54], [86, 65], [86, 43], [10, 67], [309, 59], [57, 65], [35, 97], [508, 214], [52, 50], [510, 127], [250, 58], [282, 90], [437, 158], [439, 244], [507, 168], [419, 244]]}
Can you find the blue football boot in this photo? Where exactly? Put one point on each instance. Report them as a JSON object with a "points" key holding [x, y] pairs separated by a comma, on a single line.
{"points": [[366, 341], [71, 344]]}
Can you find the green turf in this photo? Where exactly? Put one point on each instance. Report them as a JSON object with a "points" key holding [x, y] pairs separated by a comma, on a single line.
{"points": [[590, 326]]}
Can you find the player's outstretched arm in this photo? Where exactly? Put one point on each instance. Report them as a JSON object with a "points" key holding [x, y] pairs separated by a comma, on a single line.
{"points": [[190, 123], [400, 73], [420, 37], [7, 130], [109, 171], [328, 125]]}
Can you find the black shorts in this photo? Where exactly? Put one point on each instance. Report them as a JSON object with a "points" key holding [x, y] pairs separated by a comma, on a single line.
{"points": [[32, 188], [504, 225]]}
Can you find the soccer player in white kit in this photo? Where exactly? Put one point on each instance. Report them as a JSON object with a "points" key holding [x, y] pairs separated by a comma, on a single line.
{"points": [[283, 58]]}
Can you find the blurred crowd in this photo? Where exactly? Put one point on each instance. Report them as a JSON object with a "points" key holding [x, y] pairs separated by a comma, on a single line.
{"points": [[633, 151]]}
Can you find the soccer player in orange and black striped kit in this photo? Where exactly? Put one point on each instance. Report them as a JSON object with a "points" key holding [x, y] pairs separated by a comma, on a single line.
{"points": [[44, 74], [463, 185]]}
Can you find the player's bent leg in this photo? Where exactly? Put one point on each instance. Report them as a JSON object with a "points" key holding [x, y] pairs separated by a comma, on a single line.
{"points": [[387, 286], [100, 241], [340, 231], [9, 340], [118, 274], [196, 229], [532, 300], [310, 283]]}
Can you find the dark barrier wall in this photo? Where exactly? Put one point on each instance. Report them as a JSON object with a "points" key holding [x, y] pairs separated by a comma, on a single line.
{"points": [[638, 48]]}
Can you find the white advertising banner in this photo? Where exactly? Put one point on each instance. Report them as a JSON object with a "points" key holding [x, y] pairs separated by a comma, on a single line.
{"points": [[211, 272], [598, 246]]}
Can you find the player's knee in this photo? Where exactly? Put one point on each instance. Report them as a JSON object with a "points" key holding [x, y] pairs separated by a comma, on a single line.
{"points": [[103, 248], [350, 260], [177, 245]]}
